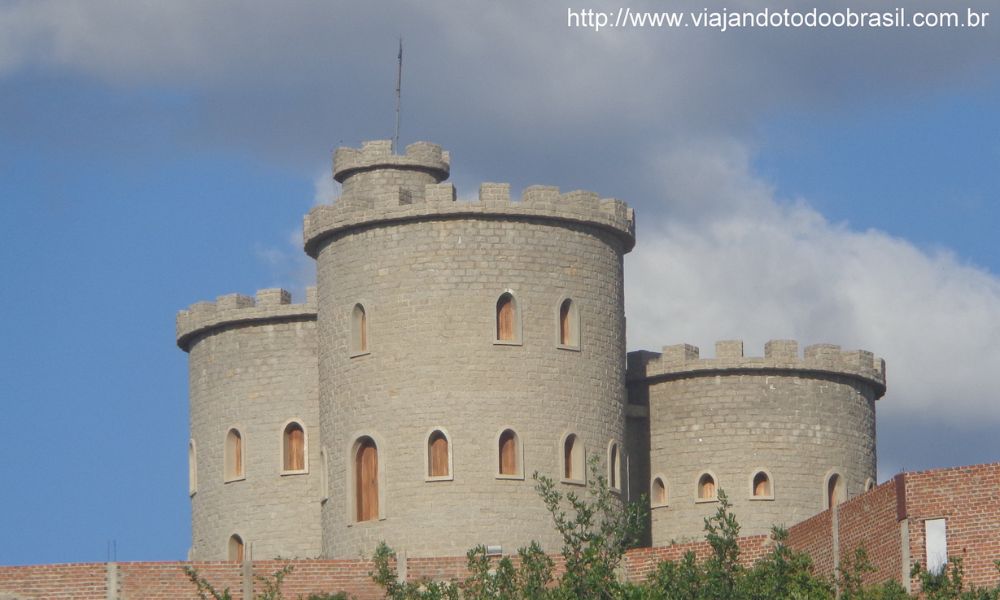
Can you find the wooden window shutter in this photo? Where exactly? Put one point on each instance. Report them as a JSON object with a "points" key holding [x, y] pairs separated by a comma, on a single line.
{"points": [[565, 337], [505, 318], [833, 491], [366, 481], [568, 454], [236, 548], [238, 454], [359, 330], [295, 448], [234, 454], [363, 331], [659, 492], [706, 487], [438, 455], [761, 485], [508, 453]]}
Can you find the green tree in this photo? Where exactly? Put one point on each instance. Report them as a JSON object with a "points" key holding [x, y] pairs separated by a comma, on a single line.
{"points": [[596, 529]]}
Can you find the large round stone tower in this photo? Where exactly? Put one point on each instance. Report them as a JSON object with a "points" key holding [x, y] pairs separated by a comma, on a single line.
{"points": [[254, 452], [785, 436], [462, 347]]}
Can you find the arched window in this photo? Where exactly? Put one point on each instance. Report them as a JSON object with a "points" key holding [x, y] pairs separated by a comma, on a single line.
{"points": [[836, 490], [508, 324], [509, 448], [366, 477], [614, 466], [706, 487], [658, 492], [438, 455], [359, 330], [294, 448], [234, 455], [574, 463], [869, 484], [569, 324], [236, 548], [192, 469], [761, 485]]}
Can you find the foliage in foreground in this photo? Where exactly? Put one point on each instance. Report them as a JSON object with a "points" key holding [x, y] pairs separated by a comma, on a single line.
{"points": [[596, 531]]}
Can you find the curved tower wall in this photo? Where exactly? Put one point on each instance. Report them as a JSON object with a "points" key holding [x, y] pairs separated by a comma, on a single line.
{"points": [[429, 271], [253, 365], [798, 419]]}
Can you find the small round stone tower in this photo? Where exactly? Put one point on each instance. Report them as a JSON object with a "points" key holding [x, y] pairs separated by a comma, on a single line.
{"points": [[462, 347], [254, 453], [784, 436]]}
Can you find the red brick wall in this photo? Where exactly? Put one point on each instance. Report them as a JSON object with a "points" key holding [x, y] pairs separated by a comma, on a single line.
{"points": [[814, 536], [642, 562], [869, 521], [167, 580], [969, 499], [79, 581]]}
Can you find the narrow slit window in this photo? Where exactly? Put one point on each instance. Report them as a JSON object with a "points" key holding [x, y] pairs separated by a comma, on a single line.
{"points": [[659, 492], [366, 480], [706, 487], [324, 476], [359, 330], [236, 548], [234, 455], [506, 318], [761, 485], [508, 452], [294, 447], [192, 468], [437, 455], [573, 459], [614, 467]]}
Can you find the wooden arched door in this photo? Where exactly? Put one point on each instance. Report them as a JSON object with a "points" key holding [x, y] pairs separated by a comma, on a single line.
{"points": [[366, 480]]}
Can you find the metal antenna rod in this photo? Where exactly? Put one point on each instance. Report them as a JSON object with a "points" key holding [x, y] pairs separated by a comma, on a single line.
{"points": [[399, 86]]}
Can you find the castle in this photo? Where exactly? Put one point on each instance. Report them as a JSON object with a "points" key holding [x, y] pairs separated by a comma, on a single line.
{"points": [[451, 349]]}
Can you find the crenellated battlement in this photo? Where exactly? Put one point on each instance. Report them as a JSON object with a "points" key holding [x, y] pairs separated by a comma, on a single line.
{"points": [[272, 304], [381, 187], [439, 201], [684, 360], [378, 154]]}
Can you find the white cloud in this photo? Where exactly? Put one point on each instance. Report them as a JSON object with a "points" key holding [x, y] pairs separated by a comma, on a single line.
{"points": [[288, 265], [258, 70], [748, 266], [325, 189]]}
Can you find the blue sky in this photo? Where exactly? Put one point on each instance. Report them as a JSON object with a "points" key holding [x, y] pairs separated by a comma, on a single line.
{"points": [[828, 186]]}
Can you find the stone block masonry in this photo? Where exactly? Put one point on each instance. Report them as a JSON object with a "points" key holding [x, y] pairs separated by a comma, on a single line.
{"points": [[493, 330], [253, 369], [429, 272], [795, 420]]}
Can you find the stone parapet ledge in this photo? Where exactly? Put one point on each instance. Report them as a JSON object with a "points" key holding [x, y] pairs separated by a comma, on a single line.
{"points": [[439, 202], [269, 305], [683, 360]]}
